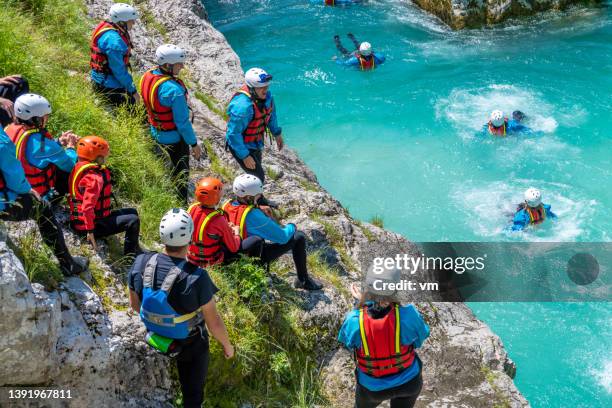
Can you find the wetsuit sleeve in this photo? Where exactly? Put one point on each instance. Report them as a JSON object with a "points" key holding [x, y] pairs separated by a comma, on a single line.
{"points": [[92, 183], [273, 124], [206, 289], [135, 277], [549, 213], [223, 229], [349, 332], [351, 62], [414, 330], [115, 51], [72, 154], [42, 152], [263, 226], [521, 219], [240, 115], [11, 168], [379, 58], [180, 111]]}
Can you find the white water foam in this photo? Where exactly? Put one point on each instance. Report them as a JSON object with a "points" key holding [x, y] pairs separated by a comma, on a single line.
{"points": [[604, 376]]}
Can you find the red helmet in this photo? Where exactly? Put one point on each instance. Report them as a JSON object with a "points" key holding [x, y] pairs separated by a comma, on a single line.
{"points": [[91, 147], [208, 191]]}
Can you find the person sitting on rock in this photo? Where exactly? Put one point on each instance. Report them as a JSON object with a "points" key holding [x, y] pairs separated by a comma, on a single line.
{"points": [[11, 88], [111, 48], [531, 211], [383, 334], [501, 126], [20, 202], [89, 199], [244, 213], [166, 98], [363, 56], [214, 241], [176, 300], [46, 163]]}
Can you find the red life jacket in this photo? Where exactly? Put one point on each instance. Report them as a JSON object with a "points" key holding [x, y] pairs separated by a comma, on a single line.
{"points": [[160, 117], [536, 215], [41, 180], [98, 61], [75, 197], [500, 131], [330, 2], [205, 248], [381, 353], [364, 63], [259, 123], [236, 214]]}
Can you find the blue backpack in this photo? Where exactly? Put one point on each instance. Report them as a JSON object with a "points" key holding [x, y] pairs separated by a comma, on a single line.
{"points": [[155, 311]]}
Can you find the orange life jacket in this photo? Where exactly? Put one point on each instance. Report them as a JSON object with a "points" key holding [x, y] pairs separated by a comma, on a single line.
{"points": [[98, 61], [41, 180], [536, 215], [256, 128], [364, 63], [381, 353], [205, 248], [160, 117], [75, 197], [500, 131], [330, 2], [236, 214]]}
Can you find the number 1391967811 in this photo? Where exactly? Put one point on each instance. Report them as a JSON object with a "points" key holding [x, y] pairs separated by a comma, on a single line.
{"points": [[37, 393]]}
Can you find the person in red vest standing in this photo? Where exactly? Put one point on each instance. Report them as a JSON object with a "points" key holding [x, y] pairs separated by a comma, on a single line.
{"points": [[89, 199], [384, 335], [214, 241]]}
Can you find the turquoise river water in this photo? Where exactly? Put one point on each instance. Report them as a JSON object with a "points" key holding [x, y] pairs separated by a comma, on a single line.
{"points": [[403, 142]]}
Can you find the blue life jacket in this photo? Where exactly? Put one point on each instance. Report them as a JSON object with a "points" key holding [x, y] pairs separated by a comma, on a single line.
{"points": [[155, 311]]}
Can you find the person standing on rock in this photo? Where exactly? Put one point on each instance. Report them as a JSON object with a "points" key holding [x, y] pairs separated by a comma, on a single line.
{"points": [[166, 98], [110, 50], [167, 284], [20, 202], [384, 335], [252, 114], [244, 213]]}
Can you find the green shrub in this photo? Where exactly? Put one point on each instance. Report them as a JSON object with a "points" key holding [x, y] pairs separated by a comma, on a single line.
{"points": [[378, 221]]}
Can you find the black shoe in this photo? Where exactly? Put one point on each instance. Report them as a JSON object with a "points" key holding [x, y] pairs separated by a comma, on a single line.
{"points": [[76, 266], [308, 284]]}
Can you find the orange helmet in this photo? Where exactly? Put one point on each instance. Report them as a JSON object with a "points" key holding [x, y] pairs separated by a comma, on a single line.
{"points": [[90, 147], [208, 191]]}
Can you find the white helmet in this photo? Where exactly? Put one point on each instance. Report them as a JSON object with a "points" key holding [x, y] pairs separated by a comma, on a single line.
{"points": [[169, 54], [533, 197], [497, 118], [121, 12], [247, 185], [175, 228], [257, 78], [30, 106], [365, 49]]}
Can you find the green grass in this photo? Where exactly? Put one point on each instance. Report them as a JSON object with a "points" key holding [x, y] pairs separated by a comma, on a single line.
{"points": [[368, 234], [211, 103], [272, 174], [148, 19], [38, 261], [336, 240], [218, 168], [308, 185], [378, 221]]}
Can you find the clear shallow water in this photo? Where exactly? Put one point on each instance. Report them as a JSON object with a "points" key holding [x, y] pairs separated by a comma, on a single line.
{"points": [[404, 142]]}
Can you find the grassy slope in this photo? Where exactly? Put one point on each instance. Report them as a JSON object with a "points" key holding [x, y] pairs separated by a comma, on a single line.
{"points": [[47, 41]]}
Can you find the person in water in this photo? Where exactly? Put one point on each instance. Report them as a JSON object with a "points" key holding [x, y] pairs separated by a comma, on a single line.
{"points": [[384, 335], [531, 211], [363, 56], [339, 2], [500, 126]]}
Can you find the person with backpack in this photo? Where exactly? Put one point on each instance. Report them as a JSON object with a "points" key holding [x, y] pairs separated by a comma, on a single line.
{"points": [[177, 305]]}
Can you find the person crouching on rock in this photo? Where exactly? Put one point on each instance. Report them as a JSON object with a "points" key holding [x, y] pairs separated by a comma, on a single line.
{"points": [[177, 305], [244, 213], [384, 335], [214, 241], [89, 198]]}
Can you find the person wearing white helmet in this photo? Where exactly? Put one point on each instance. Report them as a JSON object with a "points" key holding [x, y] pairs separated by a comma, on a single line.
{"points": [[165, 97], [45, 161], [252, 115], [11, 87], [167, 284], [244, 213], [500, 126], [110, 51], [532, 211], [363, 56]]}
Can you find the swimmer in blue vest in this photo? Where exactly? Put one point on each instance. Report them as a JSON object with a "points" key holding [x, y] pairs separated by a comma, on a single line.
{"points": [[363, 56], [532, 211], [501, 126]]}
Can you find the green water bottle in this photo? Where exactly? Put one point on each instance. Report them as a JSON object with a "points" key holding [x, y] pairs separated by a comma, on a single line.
{"points": [[160, 343]]}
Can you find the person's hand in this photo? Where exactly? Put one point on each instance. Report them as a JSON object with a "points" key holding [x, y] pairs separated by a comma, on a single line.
{"points": [[235, 229], [197, 152], [249, 163], [8, 106], [36, 195], [228, 350], [280, 143], [92, 240], [356, 290], [68, 139], [10, 80], [136, 97]]}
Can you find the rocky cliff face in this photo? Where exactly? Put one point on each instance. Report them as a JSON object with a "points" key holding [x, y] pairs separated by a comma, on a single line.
{"points": [[460, 14], [72, 338]]}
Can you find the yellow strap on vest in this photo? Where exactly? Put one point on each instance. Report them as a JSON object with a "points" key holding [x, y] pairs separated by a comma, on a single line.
{"points": [[184, 318], [243, 220], [206, 220], [102, 31], [21, 138], [397, 330], [242, 91], [192, 206], [77, 174], [154, 88], [364, 340]]}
